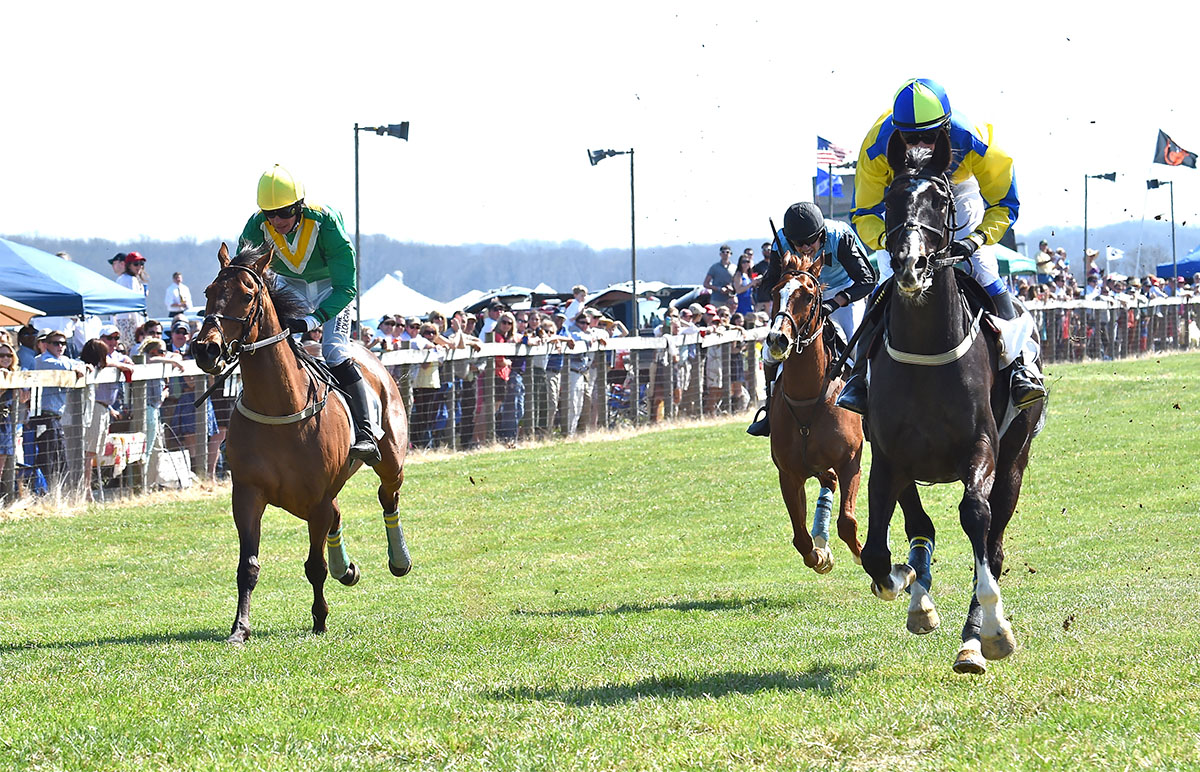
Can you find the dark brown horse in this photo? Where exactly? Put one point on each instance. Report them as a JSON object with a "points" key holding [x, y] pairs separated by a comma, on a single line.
{"points": [[810, 436], [936, 404], [288, 439]]}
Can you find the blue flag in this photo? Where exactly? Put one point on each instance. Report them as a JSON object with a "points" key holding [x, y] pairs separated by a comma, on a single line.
{"points": [[823, 183]]}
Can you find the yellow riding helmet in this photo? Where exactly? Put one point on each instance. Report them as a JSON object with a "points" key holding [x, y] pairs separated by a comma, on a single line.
{"points": [[277, 188]]}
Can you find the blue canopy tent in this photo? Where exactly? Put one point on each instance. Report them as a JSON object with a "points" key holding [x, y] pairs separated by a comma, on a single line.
{"points": [[1188, 265], [59, 287]]}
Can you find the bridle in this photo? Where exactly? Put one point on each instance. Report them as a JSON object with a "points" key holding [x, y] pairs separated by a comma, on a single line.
{"points": [[804, 336], [231, 351], [941, 257]]}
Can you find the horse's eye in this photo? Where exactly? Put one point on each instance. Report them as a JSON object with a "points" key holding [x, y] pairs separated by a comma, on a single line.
{"points": [[247, 297]]}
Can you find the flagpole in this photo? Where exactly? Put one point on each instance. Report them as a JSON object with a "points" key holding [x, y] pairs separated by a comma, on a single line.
{"points": [[830, 167], [1174, 262]]}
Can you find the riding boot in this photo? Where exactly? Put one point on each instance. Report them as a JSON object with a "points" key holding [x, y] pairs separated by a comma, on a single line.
{"points": [[761, 426], [854, 393], [1027, 390], [350, 379]]}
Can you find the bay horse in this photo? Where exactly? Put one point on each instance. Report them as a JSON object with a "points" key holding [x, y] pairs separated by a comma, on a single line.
{"points": [[288, 440], [936, 402], [810, 436]]}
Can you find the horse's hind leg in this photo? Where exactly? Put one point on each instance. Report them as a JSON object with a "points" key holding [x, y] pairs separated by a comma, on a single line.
{"points": [[320, 523], [918, 527], [391, 477], [340, 567], [248, 506]]}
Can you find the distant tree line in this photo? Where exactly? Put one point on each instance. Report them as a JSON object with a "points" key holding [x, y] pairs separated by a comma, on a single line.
{"points": [[444, 272]]}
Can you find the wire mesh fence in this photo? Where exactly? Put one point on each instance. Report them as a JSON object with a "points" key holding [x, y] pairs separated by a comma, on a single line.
{"points": [[152, 437]]}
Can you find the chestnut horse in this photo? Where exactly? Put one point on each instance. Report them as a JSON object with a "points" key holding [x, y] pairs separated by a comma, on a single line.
{"points": [[288, 439], [936, 407], [810, 436]]}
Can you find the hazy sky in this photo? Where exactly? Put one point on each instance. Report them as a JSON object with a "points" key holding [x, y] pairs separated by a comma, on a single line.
{"points": [[156, 119]]}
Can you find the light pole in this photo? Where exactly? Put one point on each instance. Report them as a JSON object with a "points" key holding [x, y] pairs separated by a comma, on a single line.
{"points": [[400, 131], [595, 157], [1150, 185], [1111, 177]]}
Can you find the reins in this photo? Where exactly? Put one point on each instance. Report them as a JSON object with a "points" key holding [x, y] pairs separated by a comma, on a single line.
{"points": [[233, 351]]}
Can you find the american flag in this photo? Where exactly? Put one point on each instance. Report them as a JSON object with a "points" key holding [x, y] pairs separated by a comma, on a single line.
{"points": [[829, 153]]}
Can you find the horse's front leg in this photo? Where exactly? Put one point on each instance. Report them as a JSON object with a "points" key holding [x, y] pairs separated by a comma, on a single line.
{"points": [[847, 525], [986, 634], [918, 527], [888, 580], [248, 506], [792, 489]]}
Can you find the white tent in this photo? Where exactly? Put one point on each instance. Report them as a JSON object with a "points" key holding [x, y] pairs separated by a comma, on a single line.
{"points": [[391, 296]]}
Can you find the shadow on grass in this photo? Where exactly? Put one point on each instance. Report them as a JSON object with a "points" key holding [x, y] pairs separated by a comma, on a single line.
{"points": [[147, 639], [726, 604], [822, 678]]}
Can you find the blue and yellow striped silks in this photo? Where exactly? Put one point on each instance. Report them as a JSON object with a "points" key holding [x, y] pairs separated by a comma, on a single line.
{"points": [[973, 153]]}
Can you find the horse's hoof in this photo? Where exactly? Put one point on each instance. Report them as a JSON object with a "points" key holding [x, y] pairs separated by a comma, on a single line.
{"points": [[901, 575], [351, 577], [923, 621], [238, 637], [998, 646], [857, 559], [400, 571], [824, 560], [970, 661]]}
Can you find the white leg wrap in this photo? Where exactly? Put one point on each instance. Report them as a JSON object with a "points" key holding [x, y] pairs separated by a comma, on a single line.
{"points": [[397, 549], [339, 563]]}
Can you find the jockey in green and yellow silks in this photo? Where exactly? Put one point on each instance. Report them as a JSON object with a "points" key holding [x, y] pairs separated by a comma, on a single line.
{"points": [[985, 201], [314, 258]]}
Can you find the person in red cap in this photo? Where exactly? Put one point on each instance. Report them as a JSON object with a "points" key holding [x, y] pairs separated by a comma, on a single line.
{"points": [[134, 278]]}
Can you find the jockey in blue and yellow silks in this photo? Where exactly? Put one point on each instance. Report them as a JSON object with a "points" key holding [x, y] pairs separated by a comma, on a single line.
{"points": [[986, 206], [314, 258]]}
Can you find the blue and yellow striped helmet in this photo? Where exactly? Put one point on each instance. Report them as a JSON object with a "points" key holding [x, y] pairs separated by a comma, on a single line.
{"points": [[920, 104]]}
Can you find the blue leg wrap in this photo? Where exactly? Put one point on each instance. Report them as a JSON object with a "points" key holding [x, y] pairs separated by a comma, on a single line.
{"points": [[820, 525], [920, 557], [339, 563]]}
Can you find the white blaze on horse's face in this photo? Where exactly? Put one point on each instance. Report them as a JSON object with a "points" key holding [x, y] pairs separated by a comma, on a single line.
{"points": [[910, 249], [778, 342]]}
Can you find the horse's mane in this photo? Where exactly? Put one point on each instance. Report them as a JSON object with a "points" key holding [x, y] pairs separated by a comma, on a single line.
{"points": [[288, 303]]}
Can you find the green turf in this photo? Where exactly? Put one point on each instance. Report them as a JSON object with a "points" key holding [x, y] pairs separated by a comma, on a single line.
{"points": [[632, 604]]}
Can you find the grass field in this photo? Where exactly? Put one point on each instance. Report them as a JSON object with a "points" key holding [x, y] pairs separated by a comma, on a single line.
{"points": [[631, 604]]}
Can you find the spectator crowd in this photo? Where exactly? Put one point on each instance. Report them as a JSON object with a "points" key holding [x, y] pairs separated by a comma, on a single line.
{"points": [[564, 378]]}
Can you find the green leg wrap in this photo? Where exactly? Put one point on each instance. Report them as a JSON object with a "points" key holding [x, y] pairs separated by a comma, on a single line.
{"points": [[339, 563], [398, 555]]}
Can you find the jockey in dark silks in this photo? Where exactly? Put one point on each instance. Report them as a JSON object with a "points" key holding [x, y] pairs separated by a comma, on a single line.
{"points": [[847, 276], [985, 193]]}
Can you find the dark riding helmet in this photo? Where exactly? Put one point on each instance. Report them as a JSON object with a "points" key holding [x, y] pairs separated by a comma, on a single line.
{"points": [[803, 223]]}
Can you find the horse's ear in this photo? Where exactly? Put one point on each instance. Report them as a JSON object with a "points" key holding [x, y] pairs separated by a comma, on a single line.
{"points": [[260, 265], [896, 152], [941, 153], [223, 255]]}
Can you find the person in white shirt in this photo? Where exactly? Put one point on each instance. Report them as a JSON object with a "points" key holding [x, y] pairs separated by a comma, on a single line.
{"points": [[178, 297]]}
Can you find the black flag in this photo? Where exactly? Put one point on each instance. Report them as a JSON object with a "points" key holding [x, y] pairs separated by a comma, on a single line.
{"points": [[1171, 154]]}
